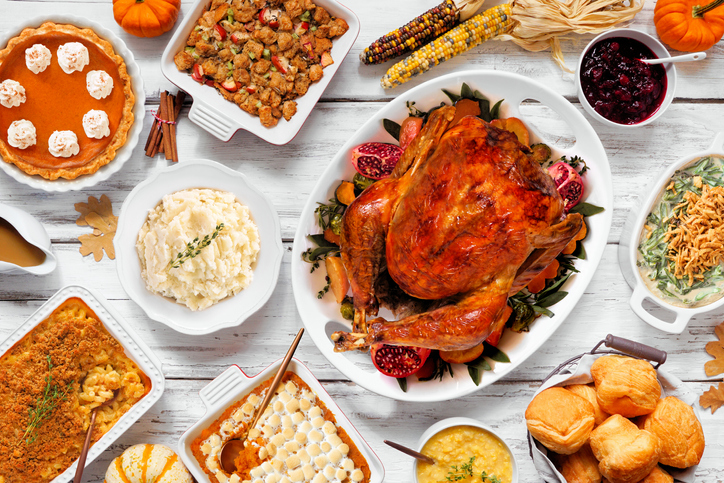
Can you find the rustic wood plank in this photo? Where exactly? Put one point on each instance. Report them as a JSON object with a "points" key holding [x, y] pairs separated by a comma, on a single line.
{"points": [[500, 406], [698, 80], [263, 338]]}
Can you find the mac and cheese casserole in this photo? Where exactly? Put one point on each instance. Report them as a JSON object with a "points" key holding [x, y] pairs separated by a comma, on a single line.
{"points": [[50, 382]]}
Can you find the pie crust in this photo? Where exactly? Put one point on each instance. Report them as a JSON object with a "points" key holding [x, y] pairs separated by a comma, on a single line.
{"points": [[69, 103]]}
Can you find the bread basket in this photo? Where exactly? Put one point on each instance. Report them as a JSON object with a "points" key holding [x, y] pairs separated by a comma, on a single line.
{"points": [[628, 247], [576, 370]]}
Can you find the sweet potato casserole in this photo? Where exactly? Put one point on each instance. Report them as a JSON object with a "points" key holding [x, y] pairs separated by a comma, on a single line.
{"points": [[50, 381], [261, 54], [297, 439]]}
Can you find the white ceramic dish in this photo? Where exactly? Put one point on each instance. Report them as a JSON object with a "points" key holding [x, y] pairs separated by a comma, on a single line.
{"points": [[34, 233], [231, 311], [451, 422], [133, 346], [139, 110], [322, 317], [657, 48], [233, 384], [628, 247], [222, 118]]}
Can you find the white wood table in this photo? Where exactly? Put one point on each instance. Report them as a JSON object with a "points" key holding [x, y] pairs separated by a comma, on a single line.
{"points": [[288, 173]]}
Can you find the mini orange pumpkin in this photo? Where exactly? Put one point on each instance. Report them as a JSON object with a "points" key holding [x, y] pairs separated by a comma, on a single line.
{"points": [[146, 18], [689, 25]]}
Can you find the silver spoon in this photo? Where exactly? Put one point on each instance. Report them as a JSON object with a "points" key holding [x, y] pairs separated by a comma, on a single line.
{"points": [[678, 58], [410, 452]]}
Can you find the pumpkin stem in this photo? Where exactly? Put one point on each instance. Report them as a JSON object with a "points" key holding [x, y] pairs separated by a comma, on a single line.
{"points": [[141, 1], [697, 10]]}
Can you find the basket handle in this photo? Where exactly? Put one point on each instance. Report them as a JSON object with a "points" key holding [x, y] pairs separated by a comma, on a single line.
{"points": [[636, 349]]}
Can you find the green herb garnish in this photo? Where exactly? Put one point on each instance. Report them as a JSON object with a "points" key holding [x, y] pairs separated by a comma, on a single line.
{"points": [[194, 247], [461, 473], [491, 479], [45, 405]]}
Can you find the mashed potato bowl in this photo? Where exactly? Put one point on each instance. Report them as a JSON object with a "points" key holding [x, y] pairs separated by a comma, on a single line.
{"points": [[232, 310]]}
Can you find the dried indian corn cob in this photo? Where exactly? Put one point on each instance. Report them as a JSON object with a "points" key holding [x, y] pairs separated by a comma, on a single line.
{"points": [[434, 22], [465, 36]]}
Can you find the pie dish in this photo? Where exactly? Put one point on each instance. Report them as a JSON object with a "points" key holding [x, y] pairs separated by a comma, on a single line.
{"points": [[47, 106]]}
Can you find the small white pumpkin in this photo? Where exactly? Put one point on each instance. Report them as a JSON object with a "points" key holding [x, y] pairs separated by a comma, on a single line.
{"points": [[148, 463]]}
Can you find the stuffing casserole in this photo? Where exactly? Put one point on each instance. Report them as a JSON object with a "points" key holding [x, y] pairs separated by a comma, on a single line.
{"points": [[50, 381], [261, 54]]}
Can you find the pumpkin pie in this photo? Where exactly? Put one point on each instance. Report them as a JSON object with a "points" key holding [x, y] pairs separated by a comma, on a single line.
{"points": [[66, 101]]}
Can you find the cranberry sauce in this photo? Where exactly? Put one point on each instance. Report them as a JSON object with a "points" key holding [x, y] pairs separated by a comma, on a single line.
{"points": [[617, 85]]}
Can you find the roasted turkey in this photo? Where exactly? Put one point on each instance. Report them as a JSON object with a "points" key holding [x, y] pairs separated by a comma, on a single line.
{"points": [[466, 218]]}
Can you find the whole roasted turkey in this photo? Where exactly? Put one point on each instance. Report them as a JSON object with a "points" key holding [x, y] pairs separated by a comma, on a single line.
{"points": [[467, 218]]}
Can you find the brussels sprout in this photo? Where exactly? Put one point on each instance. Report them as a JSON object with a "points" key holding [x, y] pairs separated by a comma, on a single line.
{"points": [[361, 182], [347, 308]]}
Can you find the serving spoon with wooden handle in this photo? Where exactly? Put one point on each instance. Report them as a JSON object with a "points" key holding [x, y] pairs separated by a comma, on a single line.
{"points": [[89, 434], [234, 447]]}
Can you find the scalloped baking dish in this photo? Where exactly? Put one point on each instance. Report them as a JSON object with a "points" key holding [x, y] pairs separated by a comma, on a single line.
{"points": [[222, 118], [628, 246], [132, 344], [233, 384]]}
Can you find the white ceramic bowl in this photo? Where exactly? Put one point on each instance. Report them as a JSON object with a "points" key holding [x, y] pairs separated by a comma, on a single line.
{"points": [[139, 110], [657, 48], [451, 422], [34, 233], [321, 316], [231, 311], [133, 346], [629, 246], [233, 384], [223, 118]]}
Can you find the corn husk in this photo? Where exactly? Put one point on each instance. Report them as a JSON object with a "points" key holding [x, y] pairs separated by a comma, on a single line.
{"points": [[541, 24]]}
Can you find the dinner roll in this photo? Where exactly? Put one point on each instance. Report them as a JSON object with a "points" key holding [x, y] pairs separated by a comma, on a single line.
{"points": [[658, 475], [678, 429], [579, 467], [588, 392], [146, 463], [626, 454], [625, 386], [560, 420]]}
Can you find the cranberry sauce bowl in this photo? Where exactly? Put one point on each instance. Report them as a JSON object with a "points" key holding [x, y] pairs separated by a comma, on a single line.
{"points": [[615, 87]]}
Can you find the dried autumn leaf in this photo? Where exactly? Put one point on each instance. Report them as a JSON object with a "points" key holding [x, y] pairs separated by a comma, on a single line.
{"points": [[102, 207], [713, 398], [716, 350]]}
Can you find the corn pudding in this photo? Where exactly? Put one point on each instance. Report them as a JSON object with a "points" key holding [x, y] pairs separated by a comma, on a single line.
{"points": [[296, 440], [50, 381], [465, 452]]}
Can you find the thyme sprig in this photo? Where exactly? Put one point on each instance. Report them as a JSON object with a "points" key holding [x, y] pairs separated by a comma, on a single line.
{"points": [[45, 405], [194, 247], [465, 472]]}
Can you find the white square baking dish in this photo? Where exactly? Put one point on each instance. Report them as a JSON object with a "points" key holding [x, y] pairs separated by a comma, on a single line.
{"points": [[233, 384], [222, 118], [133, 346]]}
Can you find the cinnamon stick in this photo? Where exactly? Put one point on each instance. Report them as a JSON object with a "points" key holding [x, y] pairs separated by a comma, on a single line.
{"points": [[172, 128], [168, 150]]}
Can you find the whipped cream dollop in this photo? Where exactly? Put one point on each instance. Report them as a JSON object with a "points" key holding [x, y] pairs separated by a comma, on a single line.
{"points": [[99, 83], [72, 57], [22, 134], [63, 144], [12, 94], [37, 58], [96, 124]]}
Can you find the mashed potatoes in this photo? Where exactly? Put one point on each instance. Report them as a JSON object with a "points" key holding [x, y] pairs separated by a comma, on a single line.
{"points": [[220, 270]]}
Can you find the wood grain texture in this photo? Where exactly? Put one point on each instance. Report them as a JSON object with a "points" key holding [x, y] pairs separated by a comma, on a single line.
{"points": [[287, 174]]}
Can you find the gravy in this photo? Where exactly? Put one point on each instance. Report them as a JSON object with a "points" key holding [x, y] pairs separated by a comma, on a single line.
{"points": [[16, 249]]}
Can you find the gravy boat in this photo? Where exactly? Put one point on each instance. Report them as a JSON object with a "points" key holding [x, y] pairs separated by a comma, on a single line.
{"points": [[34, 233]]}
